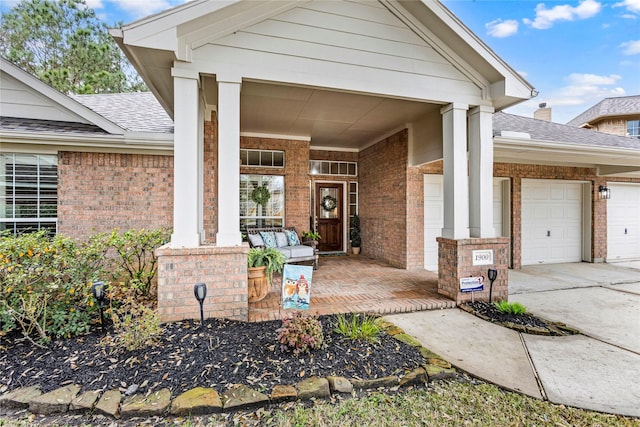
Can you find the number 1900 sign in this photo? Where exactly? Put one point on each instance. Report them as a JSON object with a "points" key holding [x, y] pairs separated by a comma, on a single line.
{"points": [[482, 257]]}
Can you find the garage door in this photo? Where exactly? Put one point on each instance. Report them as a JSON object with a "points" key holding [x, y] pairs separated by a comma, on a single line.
{"points": [[623, 222], [434, 215], [551, 222]]}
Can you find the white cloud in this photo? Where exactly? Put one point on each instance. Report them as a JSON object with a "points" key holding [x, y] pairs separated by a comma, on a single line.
{"points": [[631, 5], [500, 28], [94, 4], [592, 79], [545, 18], [631, 47]]}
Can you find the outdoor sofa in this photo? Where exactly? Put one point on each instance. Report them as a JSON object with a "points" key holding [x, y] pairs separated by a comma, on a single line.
{"points": [[285, 240]]}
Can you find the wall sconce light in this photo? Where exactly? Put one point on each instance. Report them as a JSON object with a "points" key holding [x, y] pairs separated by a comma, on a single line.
{"points": [[98, 289], [200, 292], [493, 275], [605, 192]]}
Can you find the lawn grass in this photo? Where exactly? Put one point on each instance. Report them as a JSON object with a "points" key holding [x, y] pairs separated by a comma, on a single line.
{"points": [[444, 404]]}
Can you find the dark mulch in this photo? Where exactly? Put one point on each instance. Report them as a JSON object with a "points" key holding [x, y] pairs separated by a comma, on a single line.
{"points": [[222, 353], [522, 322]]}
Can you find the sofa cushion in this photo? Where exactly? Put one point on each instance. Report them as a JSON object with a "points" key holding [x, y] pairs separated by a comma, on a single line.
{"points": [[292, 237], [255, 239], [296, 251], [269, 238], [281, 239]]}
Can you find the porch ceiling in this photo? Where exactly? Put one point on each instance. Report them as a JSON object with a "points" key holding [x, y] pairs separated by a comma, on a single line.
{"points": [[331, 119]]}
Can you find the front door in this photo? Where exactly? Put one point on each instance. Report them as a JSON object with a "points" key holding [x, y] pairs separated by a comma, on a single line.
{"points": [[328, 207]]}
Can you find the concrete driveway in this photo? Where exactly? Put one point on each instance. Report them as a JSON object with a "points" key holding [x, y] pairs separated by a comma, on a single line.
{"points": [[598, 369]]}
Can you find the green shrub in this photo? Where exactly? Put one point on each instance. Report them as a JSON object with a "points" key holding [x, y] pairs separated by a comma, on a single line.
{"points": [[301, 332], [136, 259], [44, 285], [357, 327], [510, 307]]}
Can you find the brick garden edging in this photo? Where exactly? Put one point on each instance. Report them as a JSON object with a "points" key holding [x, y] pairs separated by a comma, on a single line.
{"points": [[202, 401]]}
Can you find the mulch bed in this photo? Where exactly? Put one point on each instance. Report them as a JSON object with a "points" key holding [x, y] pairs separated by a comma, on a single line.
{"points": [[224, 352], [527, 322]]}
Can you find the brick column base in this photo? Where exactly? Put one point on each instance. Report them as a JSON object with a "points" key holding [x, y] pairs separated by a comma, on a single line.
{"points": [[222, 269], [455, 262]]}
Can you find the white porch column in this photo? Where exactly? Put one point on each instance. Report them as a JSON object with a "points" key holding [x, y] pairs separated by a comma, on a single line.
{"points": [[456, 182], [481, 172], [187, 206], [228, 162]]}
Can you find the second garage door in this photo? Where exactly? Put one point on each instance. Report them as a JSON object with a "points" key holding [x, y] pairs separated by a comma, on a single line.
{"points": [[551, 221], [623, 222]]}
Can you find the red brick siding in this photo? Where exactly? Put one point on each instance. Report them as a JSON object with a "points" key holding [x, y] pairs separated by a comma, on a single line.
{"points": [[98, 192], [210, 176], [383, 199], [223, 270], [295, 172]]}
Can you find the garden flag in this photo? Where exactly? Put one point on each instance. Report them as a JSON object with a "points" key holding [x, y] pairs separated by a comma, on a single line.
{"points": [[296, 286]]}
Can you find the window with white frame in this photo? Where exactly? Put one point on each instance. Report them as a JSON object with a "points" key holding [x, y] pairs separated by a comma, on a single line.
{"points": [[327, 167], [633, 128], [268, 189], [262, 158], [28, 192]]}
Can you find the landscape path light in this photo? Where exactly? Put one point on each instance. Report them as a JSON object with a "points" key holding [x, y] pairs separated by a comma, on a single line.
{"points": [[492, 274], [200, 292], [98, 289]]}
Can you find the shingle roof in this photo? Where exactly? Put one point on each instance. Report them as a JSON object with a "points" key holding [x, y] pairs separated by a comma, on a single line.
{"points": [[36, 125], [556, 132], [620, 106], [135, 111]]}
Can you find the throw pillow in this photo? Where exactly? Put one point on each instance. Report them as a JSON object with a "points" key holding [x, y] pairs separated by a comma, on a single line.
{"points": [[255, 239], [269, 238], [281, 239], [292, 237]]}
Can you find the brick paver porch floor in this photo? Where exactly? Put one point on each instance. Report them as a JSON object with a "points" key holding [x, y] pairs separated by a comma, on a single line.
{"points": [[344, 284]]}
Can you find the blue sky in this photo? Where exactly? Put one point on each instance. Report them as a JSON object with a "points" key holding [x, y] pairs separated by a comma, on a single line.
{"points": [[573, 52]]}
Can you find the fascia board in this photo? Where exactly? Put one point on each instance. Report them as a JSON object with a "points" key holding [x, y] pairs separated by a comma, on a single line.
{"points": [[631, 155], [90, 142], [83, 113]]}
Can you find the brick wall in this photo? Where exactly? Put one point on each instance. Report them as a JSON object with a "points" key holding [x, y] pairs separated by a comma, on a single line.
{"points": [[223, 270], [455, 262], [383, 184], [614, 126], [210, 176], [98, 192], [295, 172]]}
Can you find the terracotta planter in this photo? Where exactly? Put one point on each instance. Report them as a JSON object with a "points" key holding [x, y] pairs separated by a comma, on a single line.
{"points": [[258, 284], [356, 251]]}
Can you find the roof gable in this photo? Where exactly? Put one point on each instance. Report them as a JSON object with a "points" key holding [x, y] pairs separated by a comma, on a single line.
{"points": [[24, 96], [609, 107]]}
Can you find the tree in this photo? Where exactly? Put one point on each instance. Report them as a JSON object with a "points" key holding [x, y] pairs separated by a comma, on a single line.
{"points": [[64, 44]]}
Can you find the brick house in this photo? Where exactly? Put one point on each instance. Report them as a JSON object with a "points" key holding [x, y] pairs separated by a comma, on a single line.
{"points": [[389, 106], [617, 116]]}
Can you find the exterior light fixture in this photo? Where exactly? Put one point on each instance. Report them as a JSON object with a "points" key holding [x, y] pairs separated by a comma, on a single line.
{"points": [[493, 275], [605, 192], [200, 292], [98, 289]]}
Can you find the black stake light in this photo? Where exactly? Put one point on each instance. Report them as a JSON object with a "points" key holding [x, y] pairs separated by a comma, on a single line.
{"points": [[98, 289], [200, 292], [492, 274]]}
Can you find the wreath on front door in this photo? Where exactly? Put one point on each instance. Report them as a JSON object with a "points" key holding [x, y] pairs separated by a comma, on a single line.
{"points": [[329, 203], [261, 195]]}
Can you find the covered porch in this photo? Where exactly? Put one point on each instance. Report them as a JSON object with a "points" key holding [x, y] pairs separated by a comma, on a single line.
{"points": [[346, 284]]}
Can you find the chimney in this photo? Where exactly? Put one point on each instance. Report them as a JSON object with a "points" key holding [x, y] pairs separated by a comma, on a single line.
{"points": [[543, 113]]}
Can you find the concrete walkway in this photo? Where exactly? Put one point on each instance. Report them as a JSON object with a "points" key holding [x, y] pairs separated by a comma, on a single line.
{"points": [[597, 370]]}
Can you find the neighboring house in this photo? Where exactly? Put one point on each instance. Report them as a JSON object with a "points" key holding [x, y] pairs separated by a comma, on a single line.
{"points": [[386, 106], [617, 116]]}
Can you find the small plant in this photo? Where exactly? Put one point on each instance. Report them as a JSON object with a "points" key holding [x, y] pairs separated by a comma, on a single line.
{"points": [[510, 307], [310, 235], [354, 232], [269, 257], [357, 327], [301, 333], [135, 327]]}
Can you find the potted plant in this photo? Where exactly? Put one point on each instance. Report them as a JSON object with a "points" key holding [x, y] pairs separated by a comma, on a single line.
{"points": [[354, 234], [310, 238], [261, 264]]}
